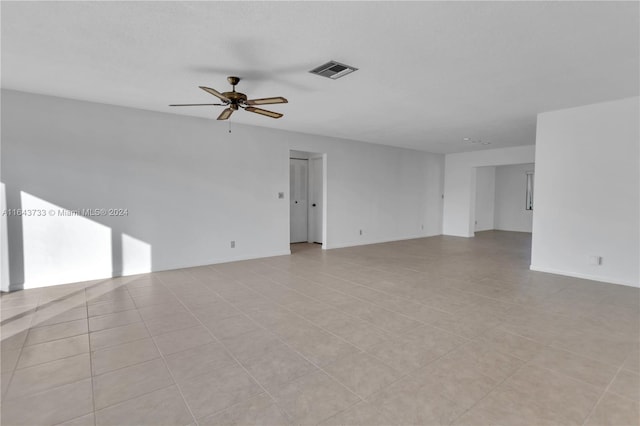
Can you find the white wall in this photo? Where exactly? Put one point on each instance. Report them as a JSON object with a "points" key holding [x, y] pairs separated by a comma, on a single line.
{"points": [[190, 188], [485, 198], [587, 187], [4, 244], [511, 185], [460, 184]]}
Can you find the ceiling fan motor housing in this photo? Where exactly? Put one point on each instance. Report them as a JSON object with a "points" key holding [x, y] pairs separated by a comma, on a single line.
{"points": [[235, 97]]}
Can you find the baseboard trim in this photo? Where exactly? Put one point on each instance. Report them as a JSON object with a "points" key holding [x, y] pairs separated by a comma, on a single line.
{"points": [[591, 277], [124, 274], [370, 242], [229, 259]]}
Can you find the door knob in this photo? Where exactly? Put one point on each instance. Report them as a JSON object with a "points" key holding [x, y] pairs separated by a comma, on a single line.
{"points": [[313, 205], [296, 202]]}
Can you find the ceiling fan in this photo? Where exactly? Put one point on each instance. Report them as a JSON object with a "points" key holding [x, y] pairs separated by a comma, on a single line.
{"points": [[234, 100]]}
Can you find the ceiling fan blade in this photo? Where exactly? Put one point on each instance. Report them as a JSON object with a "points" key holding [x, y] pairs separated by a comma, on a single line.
{"points": [[193, 104], [215, 93], [265, 101], [225, 114], [264, 112]]}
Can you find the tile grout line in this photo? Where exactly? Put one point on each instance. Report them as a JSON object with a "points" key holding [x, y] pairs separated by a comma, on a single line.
{"points": [[287, 344], [93, 394], [330, 306], [400, 276], [404, 376], [54, 387], [150, 337], [575, 379], [552, 346], [623, 396], [526, 363], [529, 363], [348, 314], [365, 400], [391, 335], [494, 389], [602, 395], [302, 317], [135, 397], [375, 304], [13, 370], [166, 366], [420, 302], [61, 338], [228, 353]]}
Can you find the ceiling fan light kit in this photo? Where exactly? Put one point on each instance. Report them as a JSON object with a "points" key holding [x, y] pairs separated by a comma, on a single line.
{"points": [[236, 100]]}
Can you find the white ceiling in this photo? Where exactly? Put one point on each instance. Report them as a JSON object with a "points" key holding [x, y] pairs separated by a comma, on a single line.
{"points": [[431, 73]]}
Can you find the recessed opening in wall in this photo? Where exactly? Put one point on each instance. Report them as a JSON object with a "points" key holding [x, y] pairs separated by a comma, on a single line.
{"points": [[497, 202], [307, 198], [529, 191], [484, 207]]}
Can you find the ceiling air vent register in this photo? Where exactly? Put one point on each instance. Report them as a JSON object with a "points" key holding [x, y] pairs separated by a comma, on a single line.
{"points": [[333, 70]]}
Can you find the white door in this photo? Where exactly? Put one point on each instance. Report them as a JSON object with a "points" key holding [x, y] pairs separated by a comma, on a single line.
{"points": [[298, 175], [315, 200]]}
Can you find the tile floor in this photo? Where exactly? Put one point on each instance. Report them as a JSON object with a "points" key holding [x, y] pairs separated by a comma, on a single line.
{"points": [[430, 331]]}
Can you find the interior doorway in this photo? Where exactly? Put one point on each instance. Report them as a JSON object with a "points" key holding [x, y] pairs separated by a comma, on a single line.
{"points": [[298, 200], [503, 198], [307, 197]]}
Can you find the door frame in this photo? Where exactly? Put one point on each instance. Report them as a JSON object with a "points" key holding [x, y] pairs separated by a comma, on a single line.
{"points": [[302, 204], [294, 153]]}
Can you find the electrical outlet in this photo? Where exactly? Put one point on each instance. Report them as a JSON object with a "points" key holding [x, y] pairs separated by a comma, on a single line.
{"points": [[233, 244], [595, 260], [281, 195], [422, 227], [361, 232]]}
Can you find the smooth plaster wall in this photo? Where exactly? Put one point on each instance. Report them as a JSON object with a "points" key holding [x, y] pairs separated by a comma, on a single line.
{"points": [[460, 184], [485, 198], [587, 192], [190, 188], [4, 243], [511, 188]]}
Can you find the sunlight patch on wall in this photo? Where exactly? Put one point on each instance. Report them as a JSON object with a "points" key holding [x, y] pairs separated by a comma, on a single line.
{"points": [[136, 256], [61, 246]]}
